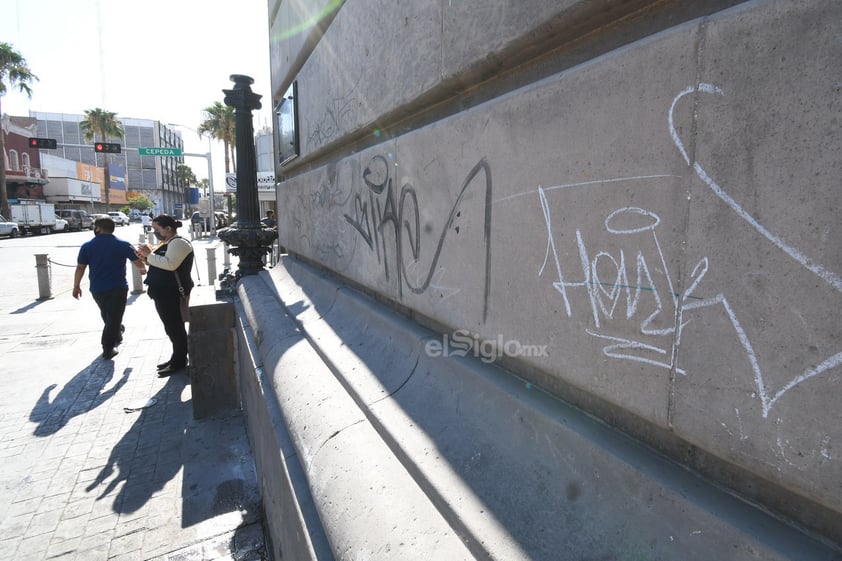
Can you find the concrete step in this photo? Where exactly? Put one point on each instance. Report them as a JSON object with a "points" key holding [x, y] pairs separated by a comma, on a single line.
{"points": [[389, 452]]}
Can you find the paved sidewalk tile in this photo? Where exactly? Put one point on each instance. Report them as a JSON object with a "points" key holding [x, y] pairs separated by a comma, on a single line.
{"points": [[101, 459]]}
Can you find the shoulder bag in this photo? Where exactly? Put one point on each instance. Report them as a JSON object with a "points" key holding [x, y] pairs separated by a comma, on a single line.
{"points": [[184, 300]]}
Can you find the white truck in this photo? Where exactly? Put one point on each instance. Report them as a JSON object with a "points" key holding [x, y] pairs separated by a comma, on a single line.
{"points": [[35, 217]]}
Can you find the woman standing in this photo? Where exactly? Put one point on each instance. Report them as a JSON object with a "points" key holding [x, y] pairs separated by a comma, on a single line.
{"points": [[172, 257]]}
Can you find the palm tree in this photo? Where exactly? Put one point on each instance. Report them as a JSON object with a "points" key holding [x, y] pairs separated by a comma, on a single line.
{"points": [[185, 176], [13, 67], [219, 124], [105, 124]]}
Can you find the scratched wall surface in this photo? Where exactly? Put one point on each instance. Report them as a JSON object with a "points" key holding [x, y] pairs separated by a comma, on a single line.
{"points": [[658, 227]]}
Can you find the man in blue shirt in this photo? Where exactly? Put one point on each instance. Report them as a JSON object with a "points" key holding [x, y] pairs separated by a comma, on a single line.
{"points": [[106, 255]]}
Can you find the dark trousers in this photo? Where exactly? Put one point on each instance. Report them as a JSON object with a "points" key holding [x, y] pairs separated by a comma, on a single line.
{"points": [[167, 305], [112, 306]]}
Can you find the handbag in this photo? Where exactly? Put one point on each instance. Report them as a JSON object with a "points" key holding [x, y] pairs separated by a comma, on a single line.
{"points": [[184, 299]]}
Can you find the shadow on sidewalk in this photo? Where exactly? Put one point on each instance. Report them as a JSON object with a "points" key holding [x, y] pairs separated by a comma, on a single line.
{"points": [[218, 478], [83, 393], [149, 454]]}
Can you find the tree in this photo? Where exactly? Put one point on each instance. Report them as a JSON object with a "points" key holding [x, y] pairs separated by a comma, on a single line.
{"points": [[140, 201], [185, 176], [105, 124], [15, 71], [219, 124]]}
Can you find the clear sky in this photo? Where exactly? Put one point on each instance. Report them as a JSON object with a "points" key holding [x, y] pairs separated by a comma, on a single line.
{"points": [[164, 60]]}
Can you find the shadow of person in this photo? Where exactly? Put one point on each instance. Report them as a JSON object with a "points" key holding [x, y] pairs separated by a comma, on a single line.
{"points": [[83, 393], [150, 453]]}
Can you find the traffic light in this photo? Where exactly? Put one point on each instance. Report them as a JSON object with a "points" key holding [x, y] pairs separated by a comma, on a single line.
{"points": [[107, 147], [49, 143]]}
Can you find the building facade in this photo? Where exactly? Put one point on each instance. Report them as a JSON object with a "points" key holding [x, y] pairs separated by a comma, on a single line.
{"points": [[25, 176], [154, 177]]}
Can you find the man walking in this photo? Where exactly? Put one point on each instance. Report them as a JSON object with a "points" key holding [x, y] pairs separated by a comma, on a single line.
{"points": [[269, 221], [147, 222], [106, 255]]}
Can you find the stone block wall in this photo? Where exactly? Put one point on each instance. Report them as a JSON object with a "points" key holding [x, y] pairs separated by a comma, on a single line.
{"points": [[649, 230]]}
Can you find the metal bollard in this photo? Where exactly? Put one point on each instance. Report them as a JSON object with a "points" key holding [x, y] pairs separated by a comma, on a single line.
{"points": [[211, 254], [150, 237], [137, 281], [42, 266]]}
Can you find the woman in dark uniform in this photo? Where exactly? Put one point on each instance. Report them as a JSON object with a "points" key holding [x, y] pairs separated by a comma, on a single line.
{"points": [[172, 256]]}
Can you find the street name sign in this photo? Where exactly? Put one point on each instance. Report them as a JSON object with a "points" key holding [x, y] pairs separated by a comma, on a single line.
{"points": [[155, 151]]}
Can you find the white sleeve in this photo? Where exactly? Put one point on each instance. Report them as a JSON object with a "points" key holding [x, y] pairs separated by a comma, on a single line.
{"points": [[178, 249]]}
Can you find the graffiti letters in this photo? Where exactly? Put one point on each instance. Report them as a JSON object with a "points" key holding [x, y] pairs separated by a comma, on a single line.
{"points": [[640, 290], [389, 223]]}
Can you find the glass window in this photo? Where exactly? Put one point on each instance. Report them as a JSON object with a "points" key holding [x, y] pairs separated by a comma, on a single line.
{"points": [[25, 159], [135, 179], [13, 160], [149, 179], [287, 126], [147, 136], [53, 128], [132, 136], [71, 133]]}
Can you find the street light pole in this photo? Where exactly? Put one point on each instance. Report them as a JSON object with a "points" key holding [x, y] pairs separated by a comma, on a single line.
{"points": [[210, 174]]}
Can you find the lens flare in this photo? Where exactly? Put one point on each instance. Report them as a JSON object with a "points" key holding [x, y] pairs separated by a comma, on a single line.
{"points": [[307, 22]]}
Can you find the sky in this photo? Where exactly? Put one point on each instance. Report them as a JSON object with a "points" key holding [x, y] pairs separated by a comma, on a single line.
{"points": [[164, 60]]}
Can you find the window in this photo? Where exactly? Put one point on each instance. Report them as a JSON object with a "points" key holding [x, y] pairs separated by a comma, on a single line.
{"points": [[287, 126], [13, 160], [25, 159]]}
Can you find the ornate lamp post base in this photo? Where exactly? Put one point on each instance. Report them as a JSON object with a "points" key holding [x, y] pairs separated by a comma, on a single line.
{"points": [[250, 245]]}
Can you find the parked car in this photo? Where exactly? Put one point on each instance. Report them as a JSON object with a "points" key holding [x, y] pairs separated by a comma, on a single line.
{"points": [[61, 224], [120, 219], [77, 219], [8, 228], [196, 219]]}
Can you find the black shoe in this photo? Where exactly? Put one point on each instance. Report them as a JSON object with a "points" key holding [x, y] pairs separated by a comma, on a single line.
{"points": [[163, 365], [109, 353], [168, 371]]}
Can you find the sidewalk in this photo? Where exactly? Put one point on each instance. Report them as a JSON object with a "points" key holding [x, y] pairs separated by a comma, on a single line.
{"points": [[101, 459]]}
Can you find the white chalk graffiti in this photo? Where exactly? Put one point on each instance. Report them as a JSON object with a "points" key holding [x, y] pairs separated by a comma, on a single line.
{"points": [[664, 306], [830, 277], [605, 296]]}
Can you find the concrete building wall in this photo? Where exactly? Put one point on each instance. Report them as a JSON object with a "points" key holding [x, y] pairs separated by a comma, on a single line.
{"points": [[631, 205]]}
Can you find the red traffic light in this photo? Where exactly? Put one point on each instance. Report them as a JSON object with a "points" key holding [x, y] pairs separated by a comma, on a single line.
{"points": [[107, 147], [49, 143]]}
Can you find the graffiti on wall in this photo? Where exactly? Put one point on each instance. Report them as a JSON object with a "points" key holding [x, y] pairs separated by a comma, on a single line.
{"points": [[338, 114], [379, 209], [638, 287]]}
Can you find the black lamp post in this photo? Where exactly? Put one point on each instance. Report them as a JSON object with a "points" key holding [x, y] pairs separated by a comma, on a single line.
{"points": [[250, 240]]}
